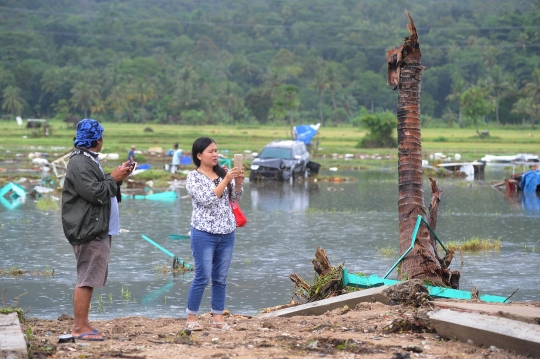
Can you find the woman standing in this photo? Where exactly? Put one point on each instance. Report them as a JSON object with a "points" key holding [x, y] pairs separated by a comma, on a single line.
{"points": [[212, 229]]}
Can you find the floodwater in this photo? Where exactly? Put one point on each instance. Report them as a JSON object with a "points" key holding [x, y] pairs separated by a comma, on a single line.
{"points": [[286, 224]]}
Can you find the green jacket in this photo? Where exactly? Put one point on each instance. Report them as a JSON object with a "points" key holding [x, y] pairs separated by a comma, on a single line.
{"points": [[86, 198]]}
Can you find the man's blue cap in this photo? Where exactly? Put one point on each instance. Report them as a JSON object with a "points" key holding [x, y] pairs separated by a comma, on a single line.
{"points": [[88, 130]]}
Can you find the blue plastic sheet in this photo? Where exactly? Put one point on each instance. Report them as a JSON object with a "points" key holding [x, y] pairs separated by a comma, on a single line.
{"points": [[305, 133], [530, 181]]}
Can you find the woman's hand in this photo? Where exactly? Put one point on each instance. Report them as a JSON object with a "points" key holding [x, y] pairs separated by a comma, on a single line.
{"points": [[236, 175], [231, 174], [239, 179]]}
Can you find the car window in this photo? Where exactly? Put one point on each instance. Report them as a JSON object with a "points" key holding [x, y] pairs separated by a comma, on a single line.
{"points": [[299, 150], [274, 152]]}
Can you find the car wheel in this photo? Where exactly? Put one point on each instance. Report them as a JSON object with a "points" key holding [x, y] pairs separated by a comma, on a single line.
{"points": [[252, 176]]}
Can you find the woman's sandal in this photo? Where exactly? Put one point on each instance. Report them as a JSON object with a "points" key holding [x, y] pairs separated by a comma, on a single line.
{"points": [[224, 327], [193, 326]]}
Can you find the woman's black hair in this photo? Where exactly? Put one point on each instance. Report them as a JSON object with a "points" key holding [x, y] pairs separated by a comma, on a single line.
{"points": [[199, 146]]}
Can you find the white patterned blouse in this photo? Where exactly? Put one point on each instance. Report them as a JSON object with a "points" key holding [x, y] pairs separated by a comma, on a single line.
{"points": [[210, 213]]}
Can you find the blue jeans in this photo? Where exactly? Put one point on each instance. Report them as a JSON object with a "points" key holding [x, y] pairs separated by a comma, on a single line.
{"points": [[212, 254]]}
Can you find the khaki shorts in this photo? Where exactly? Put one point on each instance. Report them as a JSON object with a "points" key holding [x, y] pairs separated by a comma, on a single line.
{"points": [[93, 262]]}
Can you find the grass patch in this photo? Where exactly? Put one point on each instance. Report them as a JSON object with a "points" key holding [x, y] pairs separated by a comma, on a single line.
{"points": [[11, 309], [47, 204], [440, 139], [387, 251], [475, 244], [166, 269], [48, 272], [531, 249], [13, 271]]}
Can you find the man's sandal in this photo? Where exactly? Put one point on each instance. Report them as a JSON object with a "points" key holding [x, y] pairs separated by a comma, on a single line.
{"points": [[193, 326], [224, 327]]}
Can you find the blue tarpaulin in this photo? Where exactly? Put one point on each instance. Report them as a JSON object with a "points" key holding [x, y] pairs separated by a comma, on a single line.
{"points": [[305, 133], [530, 181]]}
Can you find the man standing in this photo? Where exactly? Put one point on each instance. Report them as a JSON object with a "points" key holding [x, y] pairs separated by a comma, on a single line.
{"points": [[131, 154], [176, 158], [89, 218]]}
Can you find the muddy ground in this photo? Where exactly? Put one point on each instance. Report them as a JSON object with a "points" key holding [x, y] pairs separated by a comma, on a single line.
{"points": [[371, 330]]}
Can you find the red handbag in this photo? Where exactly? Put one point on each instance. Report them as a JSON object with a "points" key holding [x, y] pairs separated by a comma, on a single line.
{"points": [[241, 220]]}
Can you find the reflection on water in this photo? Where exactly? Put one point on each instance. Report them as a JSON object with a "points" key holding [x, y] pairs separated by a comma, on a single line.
{"points": [[11, 203], [281, 196], [530, 201], [287, 223]]}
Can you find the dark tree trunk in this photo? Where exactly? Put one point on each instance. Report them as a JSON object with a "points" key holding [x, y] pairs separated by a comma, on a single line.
{"points": [[405, 73]]}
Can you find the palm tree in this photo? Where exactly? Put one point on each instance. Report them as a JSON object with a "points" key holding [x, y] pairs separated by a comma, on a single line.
{"points": [[422, 261], [522, 40], [449, 116], [349, 104], [496, 82], [532, 90], [320, 84], [84, 96], [52, 80], [13, 101], [229, 99], [272, 79], [458, 87], [243, 67], [527, 106], [141, 91], [98, 106], [286, 102], [475, 104], [291, 101], [490, 56], [532, 87], [185, 88], [334, 84], [118, 101]]}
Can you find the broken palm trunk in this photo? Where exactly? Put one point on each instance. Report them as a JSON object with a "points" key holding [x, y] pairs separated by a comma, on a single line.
{"points": [[328, 280], [333, 281], [405, 74]]}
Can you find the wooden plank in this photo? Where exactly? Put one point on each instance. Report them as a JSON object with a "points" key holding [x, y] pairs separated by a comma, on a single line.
{"points": [[324, 305], [488, 330], [12, 343]]}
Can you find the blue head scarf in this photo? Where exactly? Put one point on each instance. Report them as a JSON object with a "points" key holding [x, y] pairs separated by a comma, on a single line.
{"points": [[88, 130]]}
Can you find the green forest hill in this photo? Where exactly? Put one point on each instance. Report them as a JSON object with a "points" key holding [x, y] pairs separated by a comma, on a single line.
{"points": [[248, 62]]}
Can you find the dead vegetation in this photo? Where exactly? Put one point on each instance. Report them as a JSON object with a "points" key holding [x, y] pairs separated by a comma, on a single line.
{"points": [[328, 280]]}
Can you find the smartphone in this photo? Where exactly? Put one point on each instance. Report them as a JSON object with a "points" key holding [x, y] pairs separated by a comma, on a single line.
{"points": [[238, 161], [133, 165]]}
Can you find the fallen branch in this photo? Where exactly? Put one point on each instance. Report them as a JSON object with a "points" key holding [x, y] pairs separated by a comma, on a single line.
{"points": [[514, 292]]}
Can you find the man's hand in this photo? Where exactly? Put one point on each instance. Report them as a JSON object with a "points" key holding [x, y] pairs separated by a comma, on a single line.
{"points": [[122, 171]]}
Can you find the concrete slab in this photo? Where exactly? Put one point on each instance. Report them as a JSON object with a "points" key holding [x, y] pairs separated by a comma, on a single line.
{"points": [[527, 314], [488, 330], [12, 343], [322, 306]]}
